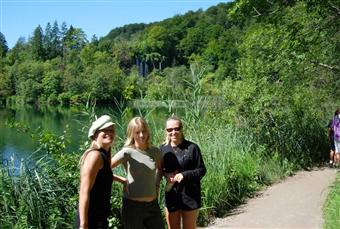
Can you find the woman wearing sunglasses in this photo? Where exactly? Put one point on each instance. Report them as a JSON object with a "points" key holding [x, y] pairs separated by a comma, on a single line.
{"points": [[183, 169]]}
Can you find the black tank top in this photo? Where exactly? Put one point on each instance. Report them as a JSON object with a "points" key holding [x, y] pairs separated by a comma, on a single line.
{"points": [[100, 194]]}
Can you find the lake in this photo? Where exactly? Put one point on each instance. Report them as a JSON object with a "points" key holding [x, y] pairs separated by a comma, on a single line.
{"points": [[17, 126]]}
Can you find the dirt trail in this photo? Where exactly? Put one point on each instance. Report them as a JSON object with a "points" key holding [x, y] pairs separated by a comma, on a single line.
{"points": [[296, 202]]}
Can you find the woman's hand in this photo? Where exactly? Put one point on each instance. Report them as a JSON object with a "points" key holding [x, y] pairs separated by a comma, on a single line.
{"points": [[121, 180], [170, 177], [174, 177], [126, 186], [178, 177]]}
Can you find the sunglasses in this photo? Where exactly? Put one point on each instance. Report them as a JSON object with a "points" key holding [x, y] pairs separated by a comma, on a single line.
{"points": [[169, 130]]}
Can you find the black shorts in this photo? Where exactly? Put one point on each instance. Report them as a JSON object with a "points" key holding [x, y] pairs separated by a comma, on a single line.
{"points": [[174, 202], [332, 146]]}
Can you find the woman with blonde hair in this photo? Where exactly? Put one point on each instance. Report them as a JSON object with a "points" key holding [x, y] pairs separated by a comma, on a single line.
{"points": [[143, 165], [96, 176], [183, 168]]}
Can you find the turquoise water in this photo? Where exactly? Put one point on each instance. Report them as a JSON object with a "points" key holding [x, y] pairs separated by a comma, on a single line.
{"points": [[18, 125], [19, 129]]}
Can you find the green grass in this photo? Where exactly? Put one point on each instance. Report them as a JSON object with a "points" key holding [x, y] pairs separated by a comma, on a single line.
{"points": [[32, 199], [331, 209]]}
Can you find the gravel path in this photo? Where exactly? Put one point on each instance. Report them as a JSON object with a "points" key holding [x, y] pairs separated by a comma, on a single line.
{"points": [[295, 202]]}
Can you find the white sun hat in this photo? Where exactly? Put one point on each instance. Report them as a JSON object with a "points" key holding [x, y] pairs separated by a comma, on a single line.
{"points": [[101, 123]]}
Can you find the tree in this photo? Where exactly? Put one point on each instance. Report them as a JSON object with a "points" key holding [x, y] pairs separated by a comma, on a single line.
{"points": [[3, 45], [122, 54], [106, 83], [74, 42], [48, 40], [94, 40], [55, 41], [37, 46], [155, 45], [63, 33], [194, 42], [28, 79], [87, 55], [51, 84], [75, 39], [19, 52]]}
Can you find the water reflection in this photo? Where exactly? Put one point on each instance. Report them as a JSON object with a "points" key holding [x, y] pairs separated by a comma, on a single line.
{"points": [[20, 127], [17, 126]]}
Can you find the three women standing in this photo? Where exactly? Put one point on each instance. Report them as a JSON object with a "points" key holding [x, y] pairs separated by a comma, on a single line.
{"points": [[179, 160]]}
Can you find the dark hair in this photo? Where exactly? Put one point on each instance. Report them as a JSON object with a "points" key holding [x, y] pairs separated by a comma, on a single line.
{"points": [[337, 112]]}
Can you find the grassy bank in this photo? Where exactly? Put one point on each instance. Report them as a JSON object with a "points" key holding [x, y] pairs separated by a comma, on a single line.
{"points": [[331, 209]]}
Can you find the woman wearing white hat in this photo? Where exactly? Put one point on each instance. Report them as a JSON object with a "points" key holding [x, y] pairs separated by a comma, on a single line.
{"points": [[96, 176]]}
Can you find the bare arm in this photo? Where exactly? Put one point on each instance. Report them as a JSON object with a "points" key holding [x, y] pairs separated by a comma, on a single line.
{"points": [[119, 179], [159, 174], [115, 161], [92, 164], [330, 132]]}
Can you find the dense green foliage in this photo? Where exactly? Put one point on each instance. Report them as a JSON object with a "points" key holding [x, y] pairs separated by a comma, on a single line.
{"points": [[257, 80], [270, 46]]}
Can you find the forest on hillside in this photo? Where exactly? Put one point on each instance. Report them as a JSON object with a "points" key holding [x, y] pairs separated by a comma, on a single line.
{"points": [[273, 60], [245, 49]]}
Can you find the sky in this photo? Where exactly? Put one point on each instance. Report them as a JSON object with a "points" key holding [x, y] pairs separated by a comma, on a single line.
{"points": [[94, 17]]}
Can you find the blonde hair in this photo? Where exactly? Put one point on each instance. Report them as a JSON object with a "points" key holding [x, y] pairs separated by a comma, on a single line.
{"points": [[93, 146], [172, 118], [137, 124]]}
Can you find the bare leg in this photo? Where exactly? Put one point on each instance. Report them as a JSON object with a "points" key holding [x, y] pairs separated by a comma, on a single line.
{"points": [[173, 219], [337, 158], [189, 219], [331, 157]]}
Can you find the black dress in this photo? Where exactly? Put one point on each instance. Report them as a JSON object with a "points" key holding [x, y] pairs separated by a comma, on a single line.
{"points": [[100, 194]]}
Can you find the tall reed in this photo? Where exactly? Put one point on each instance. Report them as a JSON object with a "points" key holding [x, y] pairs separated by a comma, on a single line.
{"points": [[32, 199]]}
